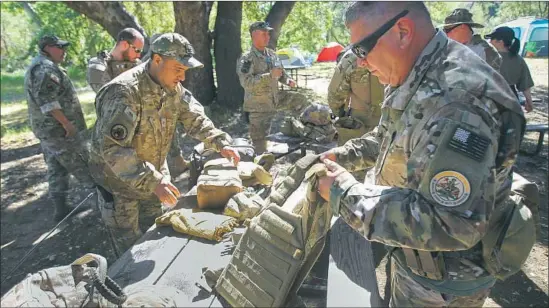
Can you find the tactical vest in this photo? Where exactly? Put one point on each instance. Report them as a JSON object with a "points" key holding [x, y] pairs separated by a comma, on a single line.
{"points": [[281, 244]]}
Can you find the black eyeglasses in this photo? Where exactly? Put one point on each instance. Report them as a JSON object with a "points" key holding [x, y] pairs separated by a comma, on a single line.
{"points": [[137, 50], [365, 46]]}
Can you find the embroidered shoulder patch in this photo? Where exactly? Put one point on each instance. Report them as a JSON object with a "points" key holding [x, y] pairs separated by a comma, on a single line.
{"points": [[246, 64], [55, 78], [119, 132], [450, 188], [187, 96], [469, 144]]}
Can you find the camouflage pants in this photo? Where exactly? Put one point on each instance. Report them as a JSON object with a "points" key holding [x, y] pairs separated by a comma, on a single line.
{"points": [[61, 163], [406, 292], [530, 193], [259, 128], [127, 219]]}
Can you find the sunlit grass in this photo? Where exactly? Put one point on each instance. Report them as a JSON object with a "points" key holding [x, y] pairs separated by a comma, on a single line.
{"points": [[15, 120]]}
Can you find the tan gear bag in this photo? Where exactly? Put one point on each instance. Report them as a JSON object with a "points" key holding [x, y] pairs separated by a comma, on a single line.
{"points": [[281, 244], [218, 182]]}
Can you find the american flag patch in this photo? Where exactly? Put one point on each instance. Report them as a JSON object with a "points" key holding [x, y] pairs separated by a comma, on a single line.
{"points": [[469, 144]]}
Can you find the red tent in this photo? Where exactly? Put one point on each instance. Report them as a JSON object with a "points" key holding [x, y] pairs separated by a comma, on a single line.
{"points": [[329, 52]]}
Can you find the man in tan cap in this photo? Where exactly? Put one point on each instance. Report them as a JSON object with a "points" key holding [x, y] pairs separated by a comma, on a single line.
{"points": [[57, 120], [459, 27], [259, 71], [137, 114]]}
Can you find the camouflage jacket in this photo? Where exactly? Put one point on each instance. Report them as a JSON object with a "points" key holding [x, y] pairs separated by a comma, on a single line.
{"points": [[104, 68], [47, 88], [350, 82], [136, 120], [486, 51], [260, 89], [439, 163]]}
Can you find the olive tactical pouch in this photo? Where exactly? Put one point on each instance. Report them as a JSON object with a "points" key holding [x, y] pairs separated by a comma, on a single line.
{"points": [[511, 236], [218, 182], [281, 244]]}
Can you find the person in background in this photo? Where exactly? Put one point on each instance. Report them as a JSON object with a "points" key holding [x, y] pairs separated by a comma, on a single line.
{"points": [[459, 27], [513, 68], [259, 71]]}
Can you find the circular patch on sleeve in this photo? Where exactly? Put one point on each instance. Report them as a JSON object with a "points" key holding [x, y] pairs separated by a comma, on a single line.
{"points": [[450, 188], [119, 132]]}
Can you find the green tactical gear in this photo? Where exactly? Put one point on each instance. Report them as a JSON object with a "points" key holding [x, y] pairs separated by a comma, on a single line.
{"points": [[295, 128], [281, 244], [218, 182], [317, 114]]}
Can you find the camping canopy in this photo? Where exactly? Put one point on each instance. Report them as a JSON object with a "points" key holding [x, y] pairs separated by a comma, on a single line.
{"points": [[329, 52], [291, 57]]}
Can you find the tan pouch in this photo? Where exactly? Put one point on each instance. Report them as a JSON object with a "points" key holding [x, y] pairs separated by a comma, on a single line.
{"points": [[217, 184]]}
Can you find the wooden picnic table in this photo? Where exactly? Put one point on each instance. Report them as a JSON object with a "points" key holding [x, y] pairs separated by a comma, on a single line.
{"points": [[167, 258]]}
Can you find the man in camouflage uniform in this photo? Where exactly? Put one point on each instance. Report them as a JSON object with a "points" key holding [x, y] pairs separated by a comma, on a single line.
{"points": [[354, 87], [124, 56], [459, 27], [56, 119], [440, 170], [259, 71], [137, 114]]}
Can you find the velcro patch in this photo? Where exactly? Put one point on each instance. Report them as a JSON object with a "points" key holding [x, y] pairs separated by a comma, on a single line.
{"points": [[55, 78], [246, 64], [469, 144], [119, 132], [450, 188], [187, 96]]}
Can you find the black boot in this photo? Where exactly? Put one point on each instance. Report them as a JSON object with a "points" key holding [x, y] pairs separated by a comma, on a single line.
{"points": [[61, 208]]}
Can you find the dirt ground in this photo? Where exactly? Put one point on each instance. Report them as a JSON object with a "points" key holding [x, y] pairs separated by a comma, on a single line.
{"points": [[26, 213]]}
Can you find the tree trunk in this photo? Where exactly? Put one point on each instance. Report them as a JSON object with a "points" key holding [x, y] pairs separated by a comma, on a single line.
{"points": [[191, 21], [112, 16], [276, 17], [32, 13], [227, 50]]}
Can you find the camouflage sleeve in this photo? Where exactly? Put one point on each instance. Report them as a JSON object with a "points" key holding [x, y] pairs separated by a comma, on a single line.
{"points": [[199, 126], [359, 153], [450, 196], [339, 90], [248, 80], [117, 121], [46, 85], [97, 75], [175, 147]]}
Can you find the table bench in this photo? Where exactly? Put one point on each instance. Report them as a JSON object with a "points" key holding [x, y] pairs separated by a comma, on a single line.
{"points": [[541, 129]]}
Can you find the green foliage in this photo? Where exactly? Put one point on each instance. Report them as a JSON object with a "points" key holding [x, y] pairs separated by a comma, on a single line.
{"points": [[154, 17], [16, 32]]}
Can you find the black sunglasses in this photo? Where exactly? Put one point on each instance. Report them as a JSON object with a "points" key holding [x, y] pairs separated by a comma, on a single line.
{"points": [[450, 29], [365, 46], [137, 50]]}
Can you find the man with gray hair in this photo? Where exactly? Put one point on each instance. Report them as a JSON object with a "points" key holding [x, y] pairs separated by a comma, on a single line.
{"points": [[124, 56], [443, 154]]}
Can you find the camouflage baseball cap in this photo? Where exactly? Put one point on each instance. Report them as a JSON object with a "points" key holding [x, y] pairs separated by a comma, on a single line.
{"points": [[260, 25], [49, 40], [461, 16], [176, 46]]}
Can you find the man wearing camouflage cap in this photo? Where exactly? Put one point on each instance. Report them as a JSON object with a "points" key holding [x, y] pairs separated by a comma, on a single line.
{"points": [[259, 71], [137, 114], [57, 120], [459, 27], [354, 94]]}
